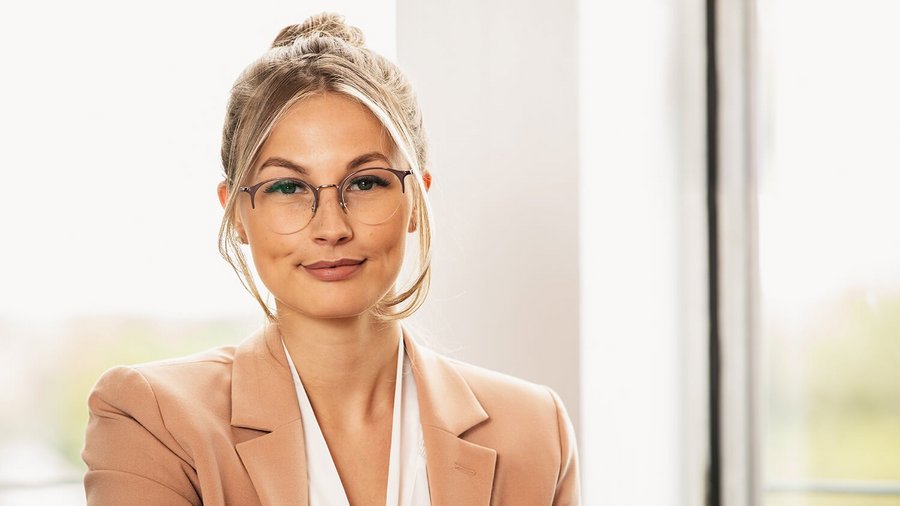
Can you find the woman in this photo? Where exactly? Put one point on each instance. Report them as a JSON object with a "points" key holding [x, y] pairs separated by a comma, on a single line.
{"points": [[333, 401]]}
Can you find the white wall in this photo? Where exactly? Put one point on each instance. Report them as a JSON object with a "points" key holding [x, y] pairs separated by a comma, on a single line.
{"points": [[111, 128], [643, 251], [498, 81]]}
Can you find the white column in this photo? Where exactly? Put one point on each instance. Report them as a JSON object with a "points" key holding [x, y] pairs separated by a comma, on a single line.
{"points": [[497, 81], [643, 277]]}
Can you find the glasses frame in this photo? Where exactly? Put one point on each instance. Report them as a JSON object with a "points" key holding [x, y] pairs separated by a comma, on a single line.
{"points": [[401, 175]]}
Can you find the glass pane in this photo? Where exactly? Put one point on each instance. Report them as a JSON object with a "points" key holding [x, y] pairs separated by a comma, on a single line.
{"points": [[829, 238]]}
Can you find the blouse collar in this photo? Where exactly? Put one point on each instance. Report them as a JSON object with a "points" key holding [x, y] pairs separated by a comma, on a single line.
{"points": [[407, 482]]}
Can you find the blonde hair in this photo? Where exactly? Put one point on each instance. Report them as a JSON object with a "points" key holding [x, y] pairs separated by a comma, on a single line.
{"points": [[323, 54]]}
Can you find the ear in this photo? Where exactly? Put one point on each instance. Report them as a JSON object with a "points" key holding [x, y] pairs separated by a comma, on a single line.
{"points": [[222, 191], [426, 178]]}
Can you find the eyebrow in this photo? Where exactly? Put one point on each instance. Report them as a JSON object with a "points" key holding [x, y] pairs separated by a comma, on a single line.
{"points": [[276, 161]]}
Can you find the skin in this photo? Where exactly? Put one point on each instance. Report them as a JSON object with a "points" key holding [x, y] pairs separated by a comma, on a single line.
{"points": [[346, 360]]}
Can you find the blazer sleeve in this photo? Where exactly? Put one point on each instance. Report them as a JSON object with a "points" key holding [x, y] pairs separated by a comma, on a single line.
{"points": [[568, 486], [130, 454]]}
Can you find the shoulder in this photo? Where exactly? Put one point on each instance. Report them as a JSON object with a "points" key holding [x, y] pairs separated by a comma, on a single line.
{"points": [[530, 429], [503, 392], [141, 433], [181, 376], [518, 410], [167, 396]]}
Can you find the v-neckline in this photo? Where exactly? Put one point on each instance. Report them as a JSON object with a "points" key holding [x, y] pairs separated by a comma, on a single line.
{"points": [[325, 486]]}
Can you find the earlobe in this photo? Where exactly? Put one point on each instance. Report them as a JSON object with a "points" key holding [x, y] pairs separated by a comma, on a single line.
{"points": [[239, 228]]}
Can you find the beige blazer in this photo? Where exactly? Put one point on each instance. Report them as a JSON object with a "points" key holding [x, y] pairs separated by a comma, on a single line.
{"points": [[223, 427]]}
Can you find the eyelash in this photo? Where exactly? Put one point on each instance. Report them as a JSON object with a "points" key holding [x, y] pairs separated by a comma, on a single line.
{"points": [[368, 179], [279, 185]]}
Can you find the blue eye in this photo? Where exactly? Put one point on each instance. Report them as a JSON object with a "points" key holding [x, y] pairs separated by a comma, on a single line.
{"points": [[286, 187]]}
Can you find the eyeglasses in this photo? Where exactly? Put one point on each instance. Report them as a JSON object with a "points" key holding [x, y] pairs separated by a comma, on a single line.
{"points": [[288, 204]]}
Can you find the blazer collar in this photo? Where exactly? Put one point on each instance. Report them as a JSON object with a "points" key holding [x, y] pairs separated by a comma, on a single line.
{"points": [[264, 399], [445, 399], [459, 471], [262, 389]]}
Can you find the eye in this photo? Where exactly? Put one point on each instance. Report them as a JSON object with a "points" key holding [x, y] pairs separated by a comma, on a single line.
{"points": [[367, 183], [286, 187]]}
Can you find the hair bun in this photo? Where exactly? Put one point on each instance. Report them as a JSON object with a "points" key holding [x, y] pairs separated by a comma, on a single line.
{"points": [[326, 24]]}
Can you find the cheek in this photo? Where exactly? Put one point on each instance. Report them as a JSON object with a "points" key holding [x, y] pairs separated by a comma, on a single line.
{"points": [[389, 241], [269, 251], [400, 229], [263, 242]]}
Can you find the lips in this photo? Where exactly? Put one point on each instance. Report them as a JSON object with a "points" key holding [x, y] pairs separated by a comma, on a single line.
{"points": [[327, 264], [336, 270]]}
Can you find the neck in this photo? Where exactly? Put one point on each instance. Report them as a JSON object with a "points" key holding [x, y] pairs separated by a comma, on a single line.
{"points": [[347, 365]]}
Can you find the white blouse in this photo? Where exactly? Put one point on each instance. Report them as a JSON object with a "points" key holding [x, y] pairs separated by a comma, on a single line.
{"points": [[407, 483]]}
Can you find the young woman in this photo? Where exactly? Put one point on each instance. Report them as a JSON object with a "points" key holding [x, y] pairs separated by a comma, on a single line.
{"points": [[332, 402]]}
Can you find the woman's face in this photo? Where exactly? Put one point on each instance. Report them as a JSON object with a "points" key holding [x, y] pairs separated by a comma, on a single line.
{"points": [[326, 135]]}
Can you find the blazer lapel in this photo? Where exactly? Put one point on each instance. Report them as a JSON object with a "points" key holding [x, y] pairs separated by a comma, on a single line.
{"points": [[264, 399], [459, 472]]}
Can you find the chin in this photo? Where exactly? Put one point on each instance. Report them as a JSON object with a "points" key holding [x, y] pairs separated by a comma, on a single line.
{"points": [[328, 307], [337, 313]]}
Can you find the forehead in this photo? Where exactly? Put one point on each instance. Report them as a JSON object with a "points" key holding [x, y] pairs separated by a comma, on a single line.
{"points": [[325, 130]]}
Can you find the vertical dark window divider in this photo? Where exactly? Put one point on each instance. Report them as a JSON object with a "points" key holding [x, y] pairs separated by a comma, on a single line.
{"points": [[714, 471]]}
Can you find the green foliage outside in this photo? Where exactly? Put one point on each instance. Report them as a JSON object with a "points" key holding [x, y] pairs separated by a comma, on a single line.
{"points": [[833, 403]]}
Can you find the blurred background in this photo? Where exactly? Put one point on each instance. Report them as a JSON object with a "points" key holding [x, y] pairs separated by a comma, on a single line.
{"points": [[740, 353]]}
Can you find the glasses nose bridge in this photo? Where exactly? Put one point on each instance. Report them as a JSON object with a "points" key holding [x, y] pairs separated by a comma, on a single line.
{"points": [[337, 188]]}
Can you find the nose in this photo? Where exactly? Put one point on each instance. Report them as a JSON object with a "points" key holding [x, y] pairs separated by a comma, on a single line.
{"points": [[330, 224]]}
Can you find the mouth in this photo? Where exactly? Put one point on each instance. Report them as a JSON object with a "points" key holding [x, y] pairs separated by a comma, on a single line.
{"points": [[336, 270], [331, 264]]}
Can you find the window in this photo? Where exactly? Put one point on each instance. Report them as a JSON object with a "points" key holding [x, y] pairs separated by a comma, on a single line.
{"points": [[829, 252]]}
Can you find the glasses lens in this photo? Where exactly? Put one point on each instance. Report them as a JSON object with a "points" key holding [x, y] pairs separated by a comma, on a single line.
{"points": [[286, 204], [373, 195]]}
